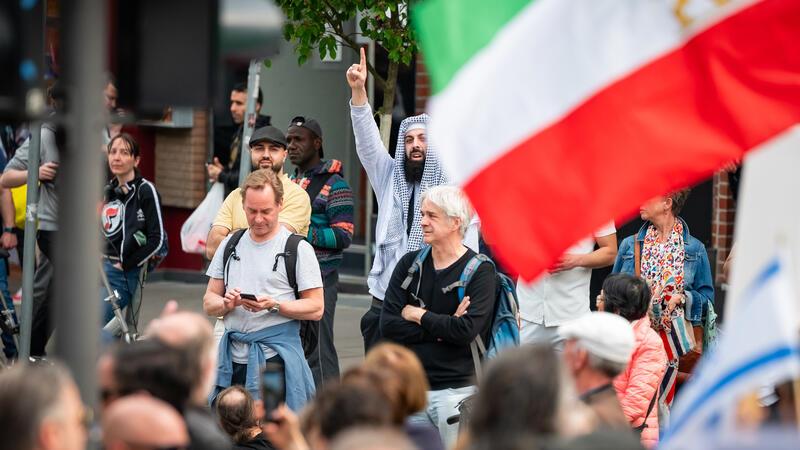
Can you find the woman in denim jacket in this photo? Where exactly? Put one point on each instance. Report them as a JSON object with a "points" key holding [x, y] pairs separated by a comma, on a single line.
{"points": [[676, 267]]}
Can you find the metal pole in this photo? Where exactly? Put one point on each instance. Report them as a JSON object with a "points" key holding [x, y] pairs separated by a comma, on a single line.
{"points": [[77, 244], [29, 247], [253, 81]]}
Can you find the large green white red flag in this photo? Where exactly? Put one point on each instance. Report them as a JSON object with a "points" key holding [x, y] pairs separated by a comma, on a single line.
{"points": [[556, 116]]}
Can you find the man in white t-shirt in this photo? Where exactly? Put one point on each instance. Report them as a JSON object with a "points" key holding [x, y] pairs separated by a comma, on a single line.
{"points": [[563, 294], [252, 292]]}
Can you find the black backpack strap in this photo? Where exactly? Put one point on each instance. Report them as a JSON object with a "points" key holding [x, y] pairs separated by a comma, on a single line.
{"points": [[415, 267], [290, 260], [309, 329], [229, 251], [316, 184], [643, 425]]}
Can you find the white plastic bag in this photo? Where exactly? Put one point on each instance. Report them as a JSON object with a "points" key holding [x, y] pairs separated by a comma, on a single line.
{"points": [[195, 230]]}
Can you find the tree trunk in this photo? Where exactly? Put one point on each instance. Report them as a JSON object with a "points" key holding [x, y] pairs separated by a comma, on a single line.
{"points": [[388, 102]]}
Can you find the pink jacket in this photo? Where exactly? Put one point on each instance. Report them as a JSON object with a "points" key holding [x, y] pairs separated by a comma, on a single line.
{"points": [[639, 382]]}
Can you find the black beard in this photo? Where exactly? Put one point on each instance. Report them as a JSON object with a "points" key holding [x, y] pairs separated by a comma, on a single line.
{"points": [[414, 170]]}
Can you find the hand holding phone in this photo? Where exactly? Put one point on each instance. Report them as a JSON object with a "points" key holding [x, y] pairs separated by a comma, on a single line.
{"points": [[273, 387], [248, 297]]}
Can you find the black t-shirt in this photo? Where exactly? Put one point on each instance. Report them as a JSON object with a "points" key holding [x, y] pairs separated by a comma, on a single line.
{"points": [[442, 341]]}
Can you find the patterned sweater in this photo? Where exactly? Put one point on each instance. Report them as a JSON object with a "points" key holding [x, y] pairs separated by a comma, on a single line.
{"points": [[331, 229]]}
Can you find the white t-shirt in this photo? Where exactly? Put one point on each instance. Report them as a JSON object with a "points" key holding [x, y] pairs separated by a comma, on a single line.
{"points": [[563, 296], [253, 274]]}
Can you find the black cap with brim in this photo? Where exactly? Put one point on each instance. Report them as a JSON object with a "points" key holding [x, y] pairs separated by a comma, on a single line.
{"points": [[268, 134], [311, 125]]}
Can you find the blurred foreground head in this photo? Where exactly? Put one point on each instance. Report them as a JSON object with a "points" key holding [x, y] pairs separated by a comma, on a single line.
{"points": [[41, 409], [192, 334], [525, 391], [339, 407], [372, 439], [140, 421]]}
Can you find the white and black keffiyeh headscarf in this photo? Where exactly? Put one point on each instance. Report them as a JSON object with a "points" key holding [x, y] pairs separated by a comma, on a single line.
{"points": [[432, 175]]}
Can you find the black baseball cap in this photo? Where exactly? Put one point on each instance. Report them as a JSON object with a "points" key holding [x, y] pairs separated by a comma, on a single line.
{"points": [[309, 124], [269, 134]]}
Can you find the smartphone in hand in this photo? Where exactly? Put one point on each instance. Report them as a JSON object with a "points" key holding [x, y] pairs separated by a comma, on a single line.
{"points": [[248, 297], [273, 387]]}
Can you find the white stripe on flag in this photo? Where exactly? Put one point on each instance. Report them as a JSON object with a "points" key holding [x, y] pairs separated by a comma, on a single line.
{"points": [[760, 347], [549, 59]]}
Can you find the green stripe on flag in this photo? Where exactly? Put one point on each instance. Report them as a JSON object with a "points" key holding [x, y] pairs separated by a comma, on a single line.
{"points": [[452, 32]]}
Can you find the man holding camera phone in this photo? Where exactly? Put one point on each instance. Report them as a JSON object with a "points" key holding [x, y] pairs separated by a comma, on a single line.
{"points": [[250, 289]]}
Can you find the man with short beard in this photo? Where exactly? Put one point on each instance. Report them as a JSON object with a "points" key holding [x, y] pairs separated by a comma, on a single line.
{"points": [[398, 184], [267, 151]]}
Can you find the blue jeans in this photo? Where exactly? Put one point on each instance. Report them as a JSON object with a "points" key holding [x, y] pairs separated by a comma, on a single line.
{"points": [[441, 405], [9, 348], [124, 282]]}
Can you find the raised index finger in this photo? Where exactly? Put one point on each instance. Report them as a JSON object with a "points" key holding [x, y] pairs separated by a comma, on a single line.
{"points": [[363, 63]]}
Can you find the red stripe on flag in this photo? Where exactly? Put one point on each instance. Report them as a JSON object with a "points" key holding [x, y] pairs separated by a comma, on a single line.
{"points": [[665, 126]]}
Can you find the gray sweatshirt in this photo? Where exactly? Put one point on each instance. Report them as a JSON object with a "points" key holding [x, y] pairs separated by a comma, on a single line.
{"points": [[48, 199]]}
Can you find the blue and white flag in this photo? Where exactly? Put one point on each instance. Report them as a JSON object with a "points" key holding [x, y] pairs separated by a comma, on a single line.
{"points": [[760, 346]]}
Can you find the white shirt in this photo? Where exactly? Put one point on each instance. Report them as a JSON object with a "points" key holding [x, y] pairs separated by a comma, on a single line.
{"points": [[560, 297], [253, 274]]}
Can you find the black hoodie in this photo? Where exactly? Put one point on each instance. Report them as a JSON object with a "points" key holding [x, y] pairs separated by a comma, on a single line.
{"points": [[132, 222]]}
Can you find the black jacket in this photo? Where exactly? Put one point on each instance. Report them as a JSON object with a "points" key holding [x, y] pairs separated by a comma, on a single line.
{"points": [[132, 222], [442, 341]]}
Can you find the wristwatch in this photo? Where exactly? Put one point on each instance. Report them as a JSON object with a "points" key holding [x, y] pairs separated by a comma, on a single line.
{"points": [[275, 308], [8, 229]]}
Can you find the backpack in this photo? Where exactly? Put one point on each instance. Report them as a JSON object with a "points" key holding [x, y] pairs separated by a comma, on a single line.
{"points": [[309, 329], [504, 328]]}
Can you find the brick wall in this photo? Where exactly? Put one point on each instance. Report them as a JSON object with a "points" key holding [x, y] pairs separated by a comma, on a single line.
{"points": [[422, 88], [180, 158], [723, 218]]}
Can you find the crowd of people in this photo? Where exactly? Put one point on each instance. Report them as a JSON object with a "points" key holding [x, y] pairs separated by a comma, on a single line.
{"points": [[435, 375]]}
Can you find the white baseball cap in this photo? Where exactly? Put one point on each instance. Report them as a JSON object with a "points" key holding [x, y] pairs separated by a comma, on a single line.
{"points": [[602, 334]]}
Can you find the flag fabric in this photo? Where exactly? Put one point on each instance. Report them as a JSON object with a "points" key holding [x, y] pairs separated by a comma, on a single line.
{"points": [[761, 346], [558, 115]]}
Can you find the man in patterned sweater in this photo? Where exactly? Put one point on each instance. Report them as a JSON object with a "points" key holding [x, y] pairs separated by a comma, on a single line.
{"points": [[331, 229]]}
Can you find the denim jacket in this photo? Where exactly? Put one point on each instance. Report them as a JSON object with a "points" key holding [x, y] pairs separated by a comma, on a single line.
{"points": [[698, 285], [285, 340]]}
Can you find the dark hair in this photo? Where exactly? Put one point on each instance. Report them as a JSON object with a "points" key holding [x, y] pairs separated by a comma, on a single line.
{"points": [[626, 295], [387, 382], [520, 394], [242, 87], [110, 79], [57, 95], [133, 146], [678, 200], [341, 406], [28, 394], [154, 367], [237, 416]]}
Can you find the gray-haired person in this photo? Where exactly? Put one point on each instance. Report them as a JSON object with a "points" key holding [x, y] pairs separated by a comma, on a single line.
{"points": [[597, 348], [428, 317]]}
